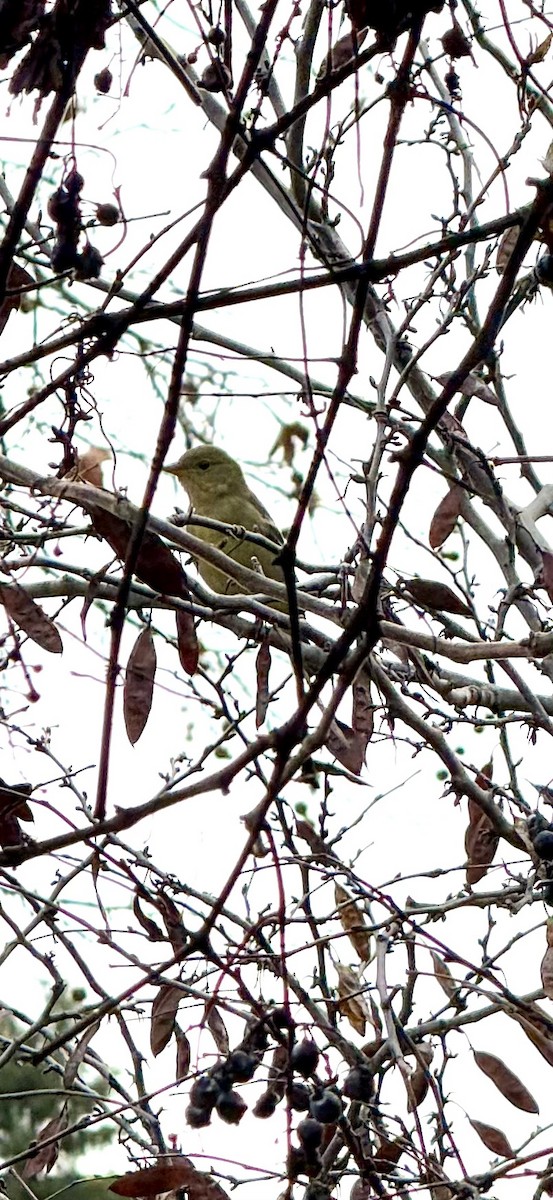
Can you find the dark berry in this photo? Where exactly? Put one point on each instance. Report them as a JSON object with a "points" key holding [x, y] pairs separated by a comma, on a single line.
{"points": [[543, 844], [197, 1117], [304, 1058], [216, 77], [281, 1019], [266, 1105], [310, 1134], [64, 257], [299, 1096], [242, 1066], [107, 214], [296, 1163], [544, 270], [359, 1085], [90, 263], [216, 36], [231, 1107], [327, 1108], [74, 183], [204, 1092], [103, 81]]}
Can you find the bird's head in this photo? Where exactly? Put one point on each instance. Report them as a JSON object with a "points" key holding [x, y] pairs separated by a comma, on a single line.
{"points": [[207, 473]]}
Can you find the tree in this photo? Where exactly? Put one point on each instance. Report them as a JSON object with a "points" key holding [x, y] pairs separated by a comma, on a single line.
{"points": [[301, 932]]}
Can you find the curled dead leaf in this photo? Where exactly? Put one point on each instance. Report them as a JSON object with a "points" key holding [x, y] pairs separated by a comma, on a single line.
{"points": [[353, 922]]}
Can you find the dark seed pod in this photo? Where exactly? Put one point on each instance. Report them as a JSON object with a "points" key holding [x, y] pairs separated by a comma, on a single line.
{"points": [[197, 1117], [204, 1092], [304, 1058], [242, 1066], [536, 823], [453, 84], [359, 1084], [327, 1107], [299, 1096], [222, 1076], [58, 205], [231, 1107], [103, 81], [310, 1134]]}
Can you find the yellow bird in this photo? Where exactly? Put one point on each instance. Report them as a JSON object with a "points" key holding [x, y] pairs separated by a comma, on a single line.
{"points": [[217, 489]]}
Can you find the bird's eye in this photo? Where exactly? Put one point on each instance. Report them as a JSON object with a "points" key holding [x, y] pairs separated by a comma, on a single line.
{"points": [[203, 466]]}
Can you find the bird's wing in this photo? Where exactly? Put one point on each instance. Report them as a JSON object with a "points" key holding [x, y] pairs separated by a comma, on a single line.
{"points": [[264, 523]]}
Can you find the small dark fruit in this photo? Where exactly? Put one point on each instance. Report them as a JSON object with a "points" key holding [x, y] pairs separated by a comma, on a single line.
{"points": [[280, 1018], [296, 1163], [64, 257], [359, 1084], [215, 78], [304, 1058], [310, 1134], [197, 1117], [543, 844], [327, 1108], [216, 36], [231, 1107], [103, 81], [544, 269], [266, 1105], [107, 214], [90, 263], [242, 1066], [204, 1092], [299, 1096], [74, 183]]}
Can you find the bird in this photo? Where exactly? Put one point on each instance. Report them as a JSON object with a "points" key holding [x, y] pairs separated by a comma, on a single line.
{"points": [[217, 489]]}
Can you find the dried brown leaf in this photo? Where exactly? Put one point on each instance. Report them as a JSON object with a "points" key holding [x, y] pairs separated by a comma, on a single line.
{"points": [[18, 278], [218, 1029], [444, 977], [431, 594], [351, 1003], [341, 53], [362, 717], [445, 517], [164, 1011], [505, 249], [262, 668], [139, 685], [481, 842], [505, 1081], [472, 385], [547, 961], [74, 1062], [171, 1176], [494, 1139], [187, 642], [352, 920], [183, 1054], [420, 1079], [45, 1158], [347, 746], [154, 932], [538, 55], [156, 566], [88, 467], [30, 618]]}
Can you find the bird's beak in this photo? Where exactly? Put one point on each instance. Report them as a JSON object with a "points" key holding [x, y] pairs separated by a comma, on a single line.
{"points": [[171, 469]]}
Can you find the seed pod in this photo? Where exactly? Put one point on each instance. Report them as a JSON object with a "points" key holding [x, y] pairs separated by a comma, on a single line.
{"points": [[231, 1107], [304, 1058], [326, 1108], [103, 81], [107, 214]]}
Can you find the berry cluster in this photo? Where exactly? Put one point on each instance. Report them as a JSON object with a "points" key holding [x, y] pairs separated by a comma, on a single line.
{"points": [[291, 1074], [65, 210]]}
